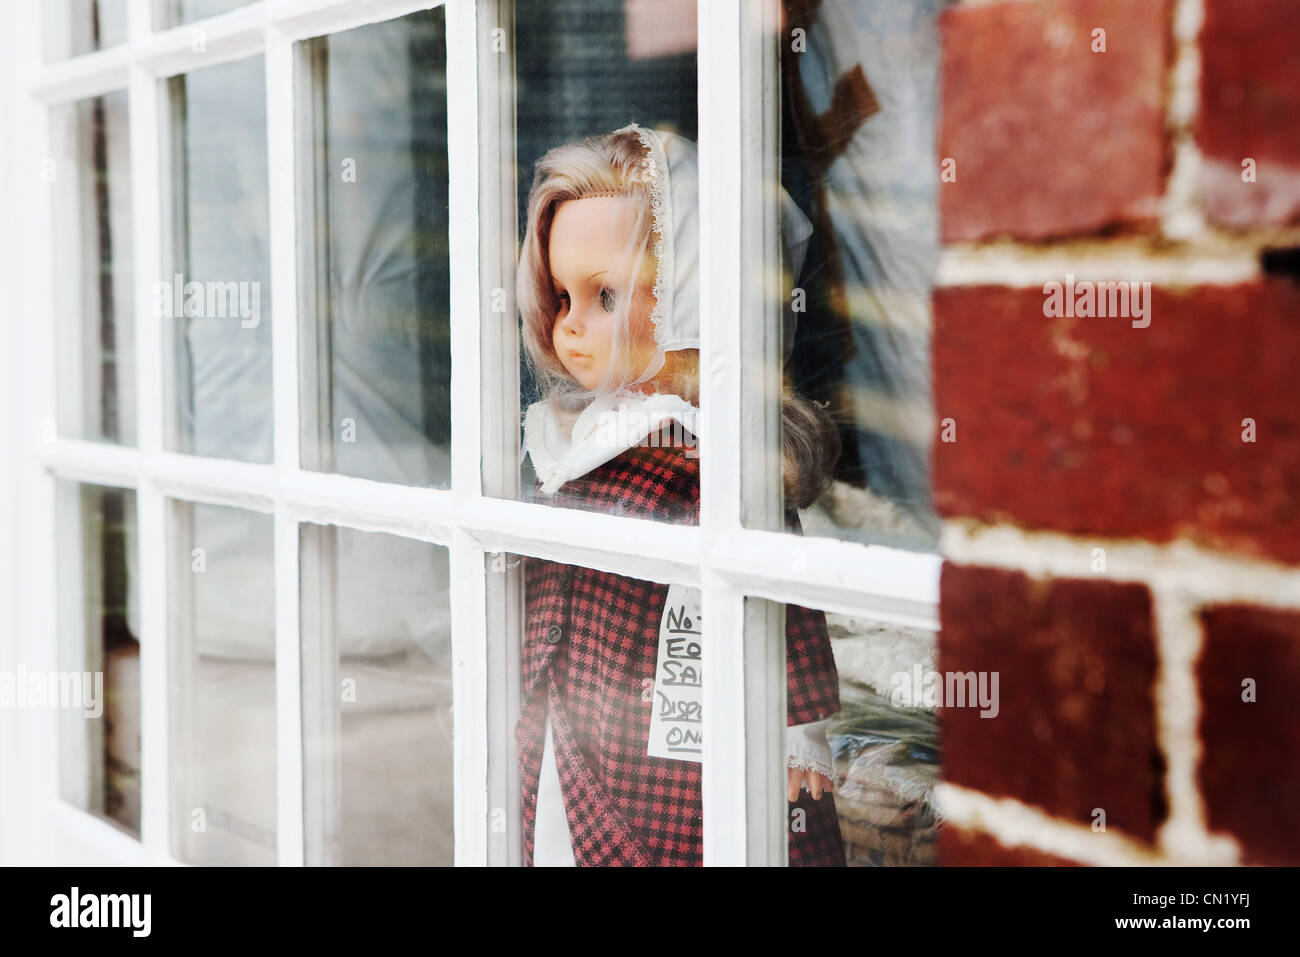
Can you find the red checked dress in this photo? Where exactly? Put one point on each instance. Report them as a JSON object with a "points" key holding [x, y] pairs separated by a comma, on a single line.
{"points": [[591, 644]]}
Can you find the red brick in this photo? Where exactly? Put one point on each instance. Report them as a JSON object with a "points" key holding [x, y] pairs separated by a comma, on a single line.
{"points": [[1051, 139], [1250, 102], [1076, 725], [1093, 427], [1250, 769], [961, 848]]}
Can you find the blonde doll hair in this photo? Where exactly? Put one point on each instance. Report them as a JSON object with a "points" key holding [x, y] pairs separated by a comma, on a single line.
{"points": [[616, 164], [610, 165]]}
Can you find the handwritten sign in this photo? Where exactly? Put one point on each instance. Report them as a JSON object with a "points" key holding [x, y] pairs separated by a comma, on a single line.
{"points": [[676, 721]]}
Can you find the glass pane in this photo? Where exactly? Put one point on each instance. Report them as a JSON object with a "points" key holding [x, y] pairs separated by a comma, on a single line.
{"points": [[610, 730], [377, 357], [173, 13], [94, 301], [377, 703], [99, 652], [860, 731], [885, 741], [74, 27], [221, 613], [215, 301], [601, 334], [858, 98]]}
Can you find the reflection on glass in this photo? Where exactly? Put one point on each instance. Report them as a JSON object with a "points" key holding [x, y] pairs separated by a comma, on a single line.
{"points": [[215, 301], [588, 69], [858, 156], [173, 13], [377, 357], [74, 27], [885, 742], [377, 699], [91, 181], [99, 652], [221, 612]]}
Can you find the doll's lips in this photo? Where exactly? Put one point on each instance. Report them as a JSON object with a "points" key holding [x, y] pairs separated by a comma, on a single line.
{"points": [[574, 354]]}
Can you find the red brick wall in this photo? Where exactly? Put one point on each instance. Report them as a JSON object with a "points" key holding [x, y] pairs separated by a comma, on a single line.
{"points": [[1121, 501]]}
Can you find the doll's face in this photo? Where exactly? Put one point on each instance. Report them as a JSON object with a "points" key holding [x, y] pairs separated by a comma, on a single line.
{"points": [[587, 236]]}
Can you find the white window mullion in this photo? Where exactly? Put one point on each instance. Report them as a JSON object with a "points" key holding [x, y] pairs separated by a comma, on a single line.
{"points": [[722, 607], [283, 175], [149, 182], [93, 74], [282, 190], [288, 696], [499, 417], [462, 226], [193, 46], [36, 637], [100, 463], [760, 370], [871, 581], [13, 430], [744, 764], [471, 743], [301, 19]]}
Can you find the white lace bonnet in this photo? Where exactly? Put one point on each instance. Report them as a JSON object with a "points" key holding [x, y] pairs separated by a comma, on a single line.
{"points": [[674, 201]]}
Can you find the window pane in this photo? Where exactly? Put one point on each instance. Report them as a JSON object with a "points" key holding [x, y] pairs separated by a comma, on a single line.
{"points": [[94, 301], [74, 27], [588, 69], [215, 301], [375, 325], [609, 734], [858, 158], [172, 13], [377, 703], [99, 652], [221, 581], [859, 729]]}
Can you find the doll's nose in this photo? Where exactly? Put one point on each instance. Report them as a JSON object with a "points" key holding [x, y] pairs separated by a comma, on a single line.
{"points": [[570, 325]]}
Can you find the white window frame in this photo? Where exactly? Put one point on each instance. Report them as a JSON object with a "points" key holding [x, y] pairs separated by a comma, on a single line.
{"points": [[477, 516]]}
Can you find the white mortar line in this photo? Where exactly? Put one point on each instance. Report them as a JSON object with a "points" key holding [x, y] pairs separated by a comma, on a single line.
{"points": [[1179, 639], [1181, 217], [1207, 576], [989, 3], [1016, 824], [1214, 262]]}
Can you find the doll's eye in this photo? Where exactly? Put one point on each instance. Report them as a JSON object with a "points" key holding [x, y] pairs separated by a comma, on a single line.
{"points": [[607, 298], [563, 299]]}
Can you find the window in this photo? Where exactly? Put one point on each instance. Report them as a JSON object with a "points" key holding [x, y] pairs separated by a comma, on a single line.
{"points": [[376, 367], [95, 308], [99, 744], [216, 309], [859, 104], [271, 455], [74, 27], [222, 683]]}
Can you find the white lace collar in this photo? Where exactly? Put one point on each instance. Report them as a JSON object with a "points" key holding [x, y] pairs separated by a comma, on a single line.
{"points": [[610, 425]]}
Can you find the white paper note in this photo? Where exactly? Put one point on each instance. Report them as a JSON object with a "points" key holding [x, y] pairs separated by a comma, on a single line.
{"points": [[675, 722]]}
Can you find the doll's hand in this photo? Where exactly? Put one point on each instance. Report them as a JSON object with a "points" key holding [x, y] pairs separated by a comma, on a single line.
{"points": [[817, 783]]}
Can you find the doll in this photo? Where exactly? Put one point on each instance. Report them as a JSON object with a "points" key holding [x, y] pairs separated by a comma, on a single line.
{"points": [[608, 290]]}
